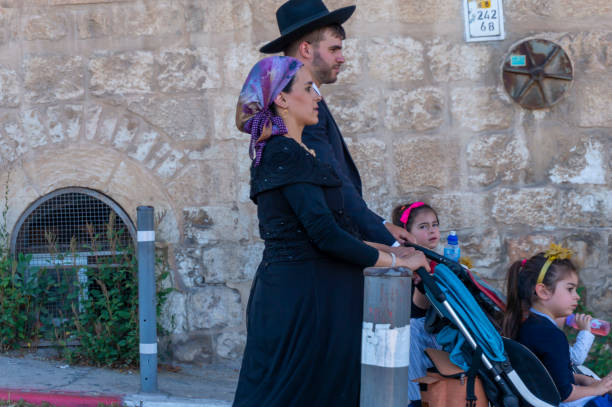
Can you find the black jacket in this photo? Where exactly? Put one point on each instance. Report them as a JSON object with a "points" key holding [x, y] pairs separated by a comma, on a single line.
{"points": [[325, 138]]}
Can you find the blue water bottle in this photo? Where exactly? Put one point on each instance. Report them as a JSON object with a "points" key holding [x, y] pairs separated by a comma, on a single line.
{"points": [[451, 250]]}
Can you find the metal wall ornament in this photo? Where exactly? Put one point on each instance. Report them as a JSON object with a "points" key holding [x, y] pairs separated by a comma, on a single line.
{"points": [[537, 73]]}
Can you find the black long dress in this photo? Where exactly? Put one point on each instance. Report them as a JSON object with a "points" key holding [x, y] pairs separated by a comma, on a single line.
{"points": [[304, 314]]}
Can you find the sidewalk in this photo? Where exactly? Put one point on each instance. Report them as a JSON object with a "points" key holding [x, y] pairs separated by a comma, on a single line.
{"points": [[35, 379]]}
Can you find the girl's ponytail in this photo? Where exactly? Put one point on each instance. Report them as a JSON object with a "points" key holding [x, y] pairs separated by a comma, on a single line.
{"points": [[514, 304]]}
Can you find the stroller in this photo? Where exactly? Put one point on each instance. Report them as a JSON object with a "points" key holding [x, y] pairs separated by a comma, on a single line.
{"points": [[511, 374]]}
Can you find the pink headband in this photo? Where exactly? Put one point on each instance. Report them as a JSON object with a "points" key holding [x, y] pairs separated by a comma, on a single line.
{"points": [[406, 214]]}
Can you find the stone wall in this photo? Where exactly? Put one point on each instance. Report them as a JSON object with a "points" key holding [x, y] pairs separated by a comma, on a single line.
{"points": [[136, 99]]}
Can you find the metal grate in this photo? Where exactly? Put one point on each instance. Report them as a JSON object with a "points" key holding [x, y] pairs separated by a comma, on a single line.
{"points": [[58, 231]]}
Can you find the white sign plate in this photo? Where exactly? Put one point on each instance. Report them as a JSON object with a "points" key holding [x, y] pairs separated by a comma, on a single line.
{"points": [[484, 20]]}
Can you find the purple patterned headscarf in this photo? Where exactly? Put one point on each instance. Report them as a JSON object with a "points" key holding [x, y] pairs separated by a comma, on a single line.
{"points": [[253, 115]]}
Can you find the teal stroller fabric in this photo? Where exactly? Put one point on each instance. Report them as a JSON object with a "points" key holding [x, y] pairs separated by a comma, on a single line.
{"points": [[472, 316]]}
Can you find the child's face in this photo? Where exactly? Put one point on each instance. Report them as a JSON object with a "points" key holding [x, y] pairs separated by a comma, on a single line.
{"points": [[564, 300], [426, 230]]}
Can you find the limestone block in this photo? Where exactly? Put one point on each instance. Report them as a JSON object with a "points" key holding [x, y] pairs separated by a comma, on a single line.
{"points": [[583, 9], [528, 206], [237, 63], [148, 18], [589, 51], [407, 11], [224, 112], [94, 23], [587, 247], [586, 207], [9, 21], [182, 117], [395, 59], [420, 109], [131, 186], [593, 103], [193, 348], [218, 16], [230, 345], [121, 73], [452, 62], [34, 130], [126, 130], [417, 163], [172, 163], [355, 110], [189, 266], [209, 182], [52, 79], [10, 136], [64, 122], [484, 249], [87, 166], [174, 314], [497, 157], [48, 26], [144, 143], [517, 10], [599, 297], [231, 262], [210, 224], [182, 70], [213, 307], [370, 156], [92, 120], [353, 51], [459, 210], [20, 194], [523, 247], [586, 162], [67, 2], [480, 108], [9, 88]]}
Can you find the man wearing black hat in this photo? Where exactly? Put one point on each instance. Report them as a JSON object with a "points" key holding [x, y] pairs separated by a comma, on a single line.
{"points": [[314, 35]]}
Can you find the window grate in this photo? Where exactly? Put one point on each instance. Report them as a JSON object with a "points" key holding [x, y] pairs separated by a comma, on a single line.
{"points": [[65, 232]]}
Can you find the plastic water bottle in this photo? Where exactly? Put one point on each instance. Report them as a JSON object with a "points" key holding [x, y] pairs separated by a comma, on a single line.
{"points": [[451, 250], [598, 326]]}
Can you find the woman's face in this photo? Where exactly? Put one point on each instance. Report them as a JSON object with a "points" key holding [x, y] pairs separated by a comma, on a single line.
{"points": [[302, 99], [425, 229]]}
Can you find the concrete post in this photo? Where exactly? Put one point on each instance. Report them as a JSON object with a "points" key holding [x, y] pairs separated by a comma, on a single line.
{"points": [[385, 342], [146, 300]]}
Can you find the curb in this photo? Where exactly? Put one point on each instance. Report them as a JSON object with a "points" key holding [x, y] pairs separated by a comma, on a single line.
{"points": [[162, 400], [69, 399], [64, 399]]}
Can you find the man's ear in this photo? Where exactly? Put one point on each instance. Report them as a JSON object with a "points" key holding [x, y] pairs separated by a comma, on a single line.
{"points": [[305, 50], [542, 291]]}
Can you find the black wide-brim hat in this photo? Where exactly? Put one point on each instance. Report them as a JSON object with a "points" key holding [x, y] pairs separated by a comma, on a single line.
{"points": [[297, 18]]}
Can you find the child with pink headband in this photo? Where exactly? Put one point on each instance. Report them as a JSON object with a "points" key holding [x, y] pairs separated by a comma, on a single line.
{"points": [[421, 220]]}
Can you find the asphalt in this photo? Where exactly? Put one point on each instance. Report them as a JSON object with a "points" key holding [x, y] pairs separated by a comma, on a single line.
{"points": [[35, 379]]}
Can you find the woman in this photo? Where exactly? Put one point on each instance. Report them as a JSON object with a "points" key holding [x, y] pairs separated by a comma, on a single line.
{"points": [[305, 310]]}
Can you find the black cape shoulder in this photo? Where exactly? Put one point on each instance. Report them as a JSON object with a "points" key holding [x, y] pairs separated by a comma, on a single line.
{"points": [[285, 162]]}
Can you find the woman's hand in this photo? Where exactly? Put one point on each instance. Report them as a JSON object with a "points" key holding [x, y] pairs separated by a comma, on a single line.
{"points": [[400, 234], [413, 259], [583, 321]]}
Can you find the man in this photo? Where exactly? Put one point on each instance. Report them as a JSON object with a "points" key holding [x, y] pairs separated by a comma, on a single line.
{"points": [[314, 35]]}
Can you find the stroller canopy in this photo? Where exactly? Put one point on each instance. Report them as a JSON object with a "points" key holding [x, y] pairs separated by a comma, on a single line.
{"points": [[472, 316]]}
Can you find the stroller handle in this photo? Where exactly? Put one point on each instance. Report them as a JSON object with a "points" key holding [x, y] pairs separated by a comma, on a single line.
{"points": [[431, 284]]}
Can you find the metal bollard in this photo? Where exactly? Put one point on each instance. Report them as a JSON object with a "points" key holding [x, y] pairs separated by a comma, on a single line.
{"points": [[146, 300], [385, 341]]}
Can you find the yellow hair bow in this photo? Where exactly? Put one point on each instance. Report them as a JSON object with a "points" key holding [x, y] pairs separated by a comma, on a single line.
{"points": [[554, 252]]}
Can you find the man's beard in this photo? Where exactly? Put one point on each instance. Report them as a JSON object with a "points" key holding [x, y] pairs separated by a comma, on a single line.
{"points": [[323, 71]]}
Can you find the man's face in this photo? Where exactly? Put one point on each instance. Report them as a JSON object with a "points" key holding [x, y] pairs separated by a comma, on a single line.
{"points": [[327, 59]]}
